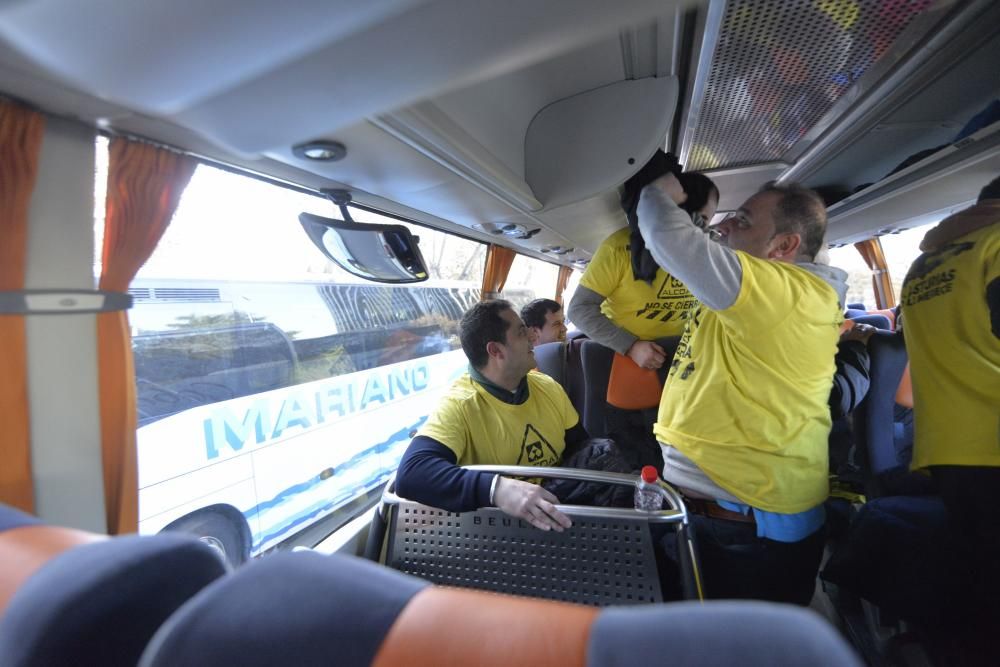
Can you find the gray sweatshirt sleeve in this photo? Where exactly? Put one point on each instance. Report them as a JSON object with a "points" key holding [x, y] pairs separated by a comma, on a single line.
{"points": [[585, 312], [709, 270]]}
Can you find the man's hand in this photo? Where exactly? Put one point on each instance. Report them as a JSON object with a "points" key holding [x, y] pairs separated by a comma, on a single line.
{"points": [[529, 502], [670, 185], [861, 332], [647, 354]]}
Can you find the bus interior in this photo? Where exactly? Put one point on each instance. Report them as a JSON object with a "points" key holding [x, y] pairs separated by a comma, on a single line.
{"points": [[264, 395]]}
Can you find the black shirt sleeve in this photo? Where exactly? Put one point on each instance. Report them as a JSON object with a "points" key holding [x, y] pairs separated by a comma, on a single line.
{"points": [[852, 379], [429, 474], [575, 438]]}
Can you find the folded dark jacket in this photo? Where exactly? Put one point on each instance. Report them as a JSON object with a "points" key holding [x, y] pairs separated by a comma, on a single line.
{"points": [[643, 265], [594, 454]]}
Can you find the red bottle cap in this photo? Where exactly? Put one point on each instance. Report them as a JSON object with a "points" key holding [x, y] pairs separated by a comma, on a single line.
{"points": [[649, 474]]}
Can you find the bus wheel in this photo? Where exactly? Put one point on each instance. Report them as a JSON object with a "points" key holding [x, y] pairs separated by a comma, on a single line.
{"points": [[218, 531]]}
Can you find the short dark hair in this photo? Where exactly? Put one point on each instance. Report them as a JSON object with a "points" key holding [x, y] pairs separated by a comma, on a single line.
{"points": [[699, 188], [482, 324], [991, 191], [536, 311], [800, 211]]}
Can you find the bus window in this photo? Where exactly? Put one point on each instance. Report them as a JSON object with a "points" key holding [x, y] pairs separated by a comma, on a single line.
{"points": [[900, 249], [530, 279], [276, 392], [859, 276]]}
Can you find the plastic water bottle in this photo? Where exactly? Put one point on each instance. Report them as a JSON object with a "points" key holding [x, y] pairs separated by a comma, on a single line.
{"points": [[647, 495]]}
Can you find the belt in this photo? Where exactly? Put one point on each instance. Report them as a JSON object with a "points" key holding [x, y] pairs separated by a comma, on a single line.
{"points": [[713, 510]]}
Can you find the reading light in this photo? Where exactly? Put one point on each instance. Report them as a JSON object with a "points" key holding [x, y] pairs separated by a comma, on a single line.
{"points": [[510, 230], [321, 151], [556, 250]]}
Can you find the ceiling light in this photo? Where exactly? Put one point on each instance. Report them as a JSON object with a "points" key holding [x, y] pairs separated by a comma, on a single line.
{"points": [[557, 249], [510, 230], [321, 151]]}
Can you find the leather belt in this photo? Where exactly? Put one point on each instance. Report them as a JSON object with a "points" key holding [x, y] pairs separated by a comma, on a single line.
{"points": [[713, 510]]}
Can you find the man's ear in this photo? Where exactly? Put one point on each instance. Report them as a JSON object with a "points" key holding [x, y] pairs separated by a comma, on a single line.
{"points": [[785, 247], [494, 349]]}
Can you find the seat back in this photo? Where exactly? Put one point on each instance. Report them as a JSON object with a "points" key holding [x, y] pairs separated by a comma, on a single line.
{"points": [[596, 361], [309, 609], [621, 400], [93, 600], [608, 556], [599, 561], [562, 362], [875, 414]]}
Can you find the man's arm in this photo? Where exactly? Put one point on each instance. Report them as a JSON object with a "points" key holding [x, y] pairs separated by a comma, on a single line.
{"points": [[709, 270], [585, 312], [852, 379], [429, 474]]}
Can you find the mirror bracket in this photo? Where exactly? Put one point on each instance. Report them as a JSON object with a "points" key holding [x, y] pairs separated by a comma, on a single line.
{"points": [[340, 198]]}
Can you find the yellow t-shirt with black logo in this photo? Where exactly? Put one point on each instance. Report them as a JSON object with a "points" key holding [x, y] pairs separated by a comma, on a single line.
{"points": [[644, 310], [747, 395], [483, 430], [954, 355]]}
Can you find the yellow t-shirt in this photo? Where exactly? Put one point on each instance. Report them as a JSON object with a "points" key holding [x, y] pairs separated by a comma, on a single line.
{"points": [[644, 310], [483, 430], [747, 395], [954, 355]]}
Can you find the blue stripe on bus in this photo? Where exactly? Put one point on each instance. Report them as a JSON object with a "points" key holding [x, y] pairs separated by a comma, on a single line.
{"points": [[290, 492]]}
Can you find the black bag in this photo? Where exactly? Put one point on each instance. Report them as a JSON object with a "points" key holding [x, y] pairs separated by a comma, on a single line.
{"points": [[594, 454]]}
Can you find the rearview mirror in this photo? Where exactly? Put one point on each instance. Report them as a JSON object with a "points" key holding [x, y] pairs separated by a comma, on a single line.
{"points": [[382, 253]]}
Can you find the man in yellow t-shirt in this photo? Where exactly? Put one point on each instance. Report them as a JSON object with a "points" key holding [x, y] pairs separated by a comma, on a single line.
{"points": [[498, 413], [626, 312], [743, 420], [951, 323]]}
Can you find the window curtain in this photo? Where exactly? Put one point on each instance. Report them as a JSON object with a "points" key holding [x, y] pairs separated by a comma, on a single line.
{"points": [[871, 251], [21, 133], [498, 262], [561, 281], [145, 184]]}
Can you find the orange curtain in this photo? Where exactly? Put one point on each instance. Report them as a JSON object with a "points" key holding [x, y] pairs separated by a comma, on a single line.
{"points": [[21, 133], [564, 273], [144, 186], [871, 251], [498, 262]]}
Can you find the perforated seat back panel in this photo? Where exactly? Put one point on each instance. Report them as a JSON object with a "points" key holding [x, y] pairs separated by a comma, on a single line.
{"points": [[596, 562]]}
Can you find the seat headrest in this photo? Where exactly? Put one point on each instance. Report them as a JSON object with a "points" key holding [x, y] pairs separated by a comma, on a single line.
{"points": [[717, 633], [11, 517], [100, 603], [27, 545], [306, 608], [300, 608], [551, 360]]}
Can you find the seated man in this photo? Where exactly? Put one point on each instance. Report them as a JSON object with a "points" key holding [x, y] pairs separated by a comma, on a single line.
{"points": [[545, 322], [498, 413], [744, 416]]}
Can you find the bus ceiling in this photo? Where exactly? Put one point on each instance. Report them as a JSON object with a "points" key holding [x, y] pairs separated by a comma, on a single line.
{"points": [[515, 123]]}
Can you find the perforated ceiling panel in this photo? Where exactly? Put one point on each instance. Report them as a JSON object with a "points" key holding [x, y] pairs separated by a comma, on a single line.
{"points": [[779, 66]]}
